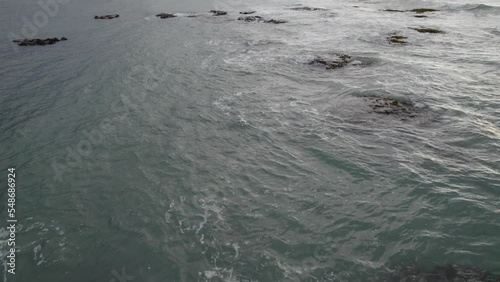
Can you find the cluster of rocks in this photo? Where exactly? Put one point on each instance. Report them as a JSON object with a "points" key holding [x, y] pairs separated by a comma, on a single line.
{"points": [[165, 16], [218, 12], [247, 12], [334, 62], [38, 42], [107, 17], [261, 19]]}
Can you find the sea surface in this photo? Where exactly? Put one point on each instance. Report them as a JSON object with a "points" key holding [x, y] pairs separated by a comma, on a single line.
{"points": [[209, 149]]}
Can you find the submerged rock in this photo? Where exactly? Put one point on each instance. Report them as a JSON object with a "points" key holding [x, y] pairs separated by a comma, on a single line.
{"points": [[307, 9], [273, 21], [391, 106], [398, 39], [420, 16], [38, 42], [166, 16], [247, 12], [218, 12], [251, 18], [107, 17], [427, 30], [337, 61]]}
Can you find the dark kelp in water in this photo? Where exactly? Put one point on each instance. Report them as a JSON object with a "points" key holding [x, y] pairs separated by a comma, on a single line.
{"points": [[38, 42], [427, 30], [218, 12], [440, 273], [166, 16], [107, 17], [334, 62]]}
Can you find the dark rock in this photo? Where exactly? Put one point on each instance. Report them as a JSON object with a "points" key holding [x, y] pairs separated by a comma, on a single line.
{"points": [[307, 9], [338, 61], [390, 106], [107, 17], [273, 21], [166, 16], [251, 18], [218, 12], [399, 39], [391, 10], [247, 12], [420, 16], [38, 42], [423, 10], [427, 30]]}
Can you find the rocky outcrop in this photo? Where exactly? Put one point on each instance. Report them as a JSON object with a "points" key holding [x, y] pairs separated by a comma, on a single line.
{"points": [[307, 9], [418, 11], [334, 62], [397, 39], [165, 16], [107, 17], [422, 10], [273, 21], [391, 106], [427, 30], [38, 42], [247, 12], [251, 18], [218, 12]]}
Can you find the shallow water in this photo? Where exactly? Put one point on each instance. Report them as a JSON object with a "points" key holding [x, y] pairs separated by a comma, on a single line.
{"points": [[208, 149]]}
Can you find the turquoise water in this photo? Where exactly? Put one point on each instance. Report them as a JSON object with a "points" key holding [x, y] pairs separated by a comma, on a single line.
{"points": [[208, 149]]}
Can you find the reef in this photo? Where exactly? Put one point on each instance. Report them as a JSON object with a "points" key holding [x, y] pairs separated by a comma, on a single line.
{"points": [[107, 17], [38, 42], [218, 12], [398, 39], [335, 62], [307, 9], [166, 16], [427, 30], [247, 12]]}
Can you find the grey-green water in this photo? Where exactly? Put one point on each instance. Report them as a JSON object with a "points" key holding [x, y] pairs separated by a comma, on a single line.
{"points": [[207, 149]]}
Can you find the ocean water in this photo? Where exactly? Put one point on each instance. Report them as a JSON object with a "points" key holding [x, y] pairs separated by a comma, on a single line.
{"points": [[208, 149]]}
